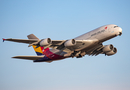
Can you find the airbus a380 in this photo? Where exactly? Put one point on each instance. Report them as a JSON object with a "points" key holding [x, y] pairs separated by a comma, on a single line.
{"points": [[90, 43]]}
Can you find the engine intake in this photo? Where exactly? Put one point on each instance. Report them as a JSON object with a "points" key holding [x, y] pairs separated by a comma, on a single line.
{"points": [[108, 48], [70, 43], [112, 52], [45, 42]]}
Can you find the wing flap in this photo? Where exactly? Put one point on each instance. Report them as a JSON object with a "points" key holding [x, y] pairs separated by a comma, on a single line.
{"points": [[28, 57]]}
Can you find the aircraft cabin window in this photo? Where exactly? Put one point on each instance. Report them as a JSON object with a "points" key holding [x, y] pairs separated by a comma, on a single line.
{"points": [[115, 26]]}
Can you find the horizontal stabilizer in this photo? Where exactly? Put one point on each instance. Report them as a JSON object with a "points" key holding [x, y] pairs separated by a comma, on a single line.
{"points": [[28, 57]]}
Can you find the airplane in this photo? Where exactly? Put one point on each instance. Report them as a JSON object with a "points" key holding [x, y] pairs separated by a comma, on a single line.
{"points": [[90, 43]]}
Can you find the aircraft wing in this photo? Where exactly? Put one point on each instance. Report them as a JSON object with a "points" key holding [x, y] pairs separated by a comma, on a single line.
{"points": [[95, 51], [28, 57], [34, 41], [28, 41], [59, 44]]}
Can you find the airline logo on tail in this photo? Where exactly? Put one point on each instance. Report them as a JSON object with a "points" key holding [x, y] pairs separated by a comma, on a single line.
{"points": [[38, 50]]}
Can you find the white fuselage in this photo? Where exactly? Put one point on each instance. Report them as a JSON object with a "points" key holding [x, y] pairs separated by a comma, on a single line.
{"points": [[102, 33]]}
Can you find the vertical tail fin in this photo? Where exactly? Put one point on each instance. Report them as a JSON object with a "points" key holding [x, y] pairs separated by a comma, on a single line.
{"points": [[39, 50]]}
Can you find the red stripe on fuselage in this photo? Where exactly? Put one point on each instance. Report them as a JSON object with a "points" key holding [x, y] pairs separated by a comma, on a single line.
{"points": [[52, 55]]}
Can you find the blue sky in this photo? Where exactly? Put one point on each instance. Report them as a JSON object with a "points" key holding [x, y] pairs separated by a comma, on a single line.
{"points": [[61, 20]]}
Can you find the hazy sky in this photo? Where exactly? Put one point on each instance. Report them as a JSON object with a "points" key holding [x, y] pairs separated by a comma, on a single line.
{"points": [[61, 20]]}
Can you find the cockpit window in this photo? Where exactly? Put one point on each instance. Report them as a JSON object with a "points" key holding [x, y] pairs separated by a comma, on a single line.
{"points": [[115, 26]]}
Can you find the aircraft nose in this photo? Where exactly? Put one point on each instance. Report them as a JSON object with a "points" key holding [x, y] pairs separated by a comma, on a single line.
{"points": [[120, 31]]}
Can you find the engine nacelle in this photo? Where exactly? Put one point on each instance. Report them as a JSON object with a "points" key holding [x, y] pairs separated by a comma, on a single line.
{"points": [[70, 43], [108, 48], [112, 52], [45, 42]]}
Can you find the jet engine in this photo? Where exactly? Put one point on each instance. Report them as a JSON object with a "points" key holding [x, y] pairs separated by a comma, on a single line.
{"points": [[108, 48], [112, 52], [70, 43], [45, 42]]}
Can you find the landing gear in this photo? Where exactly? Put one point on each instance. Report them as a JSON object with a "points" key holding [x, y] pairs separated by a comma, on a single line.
{"points": [[80, 56], [76, 54]]}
